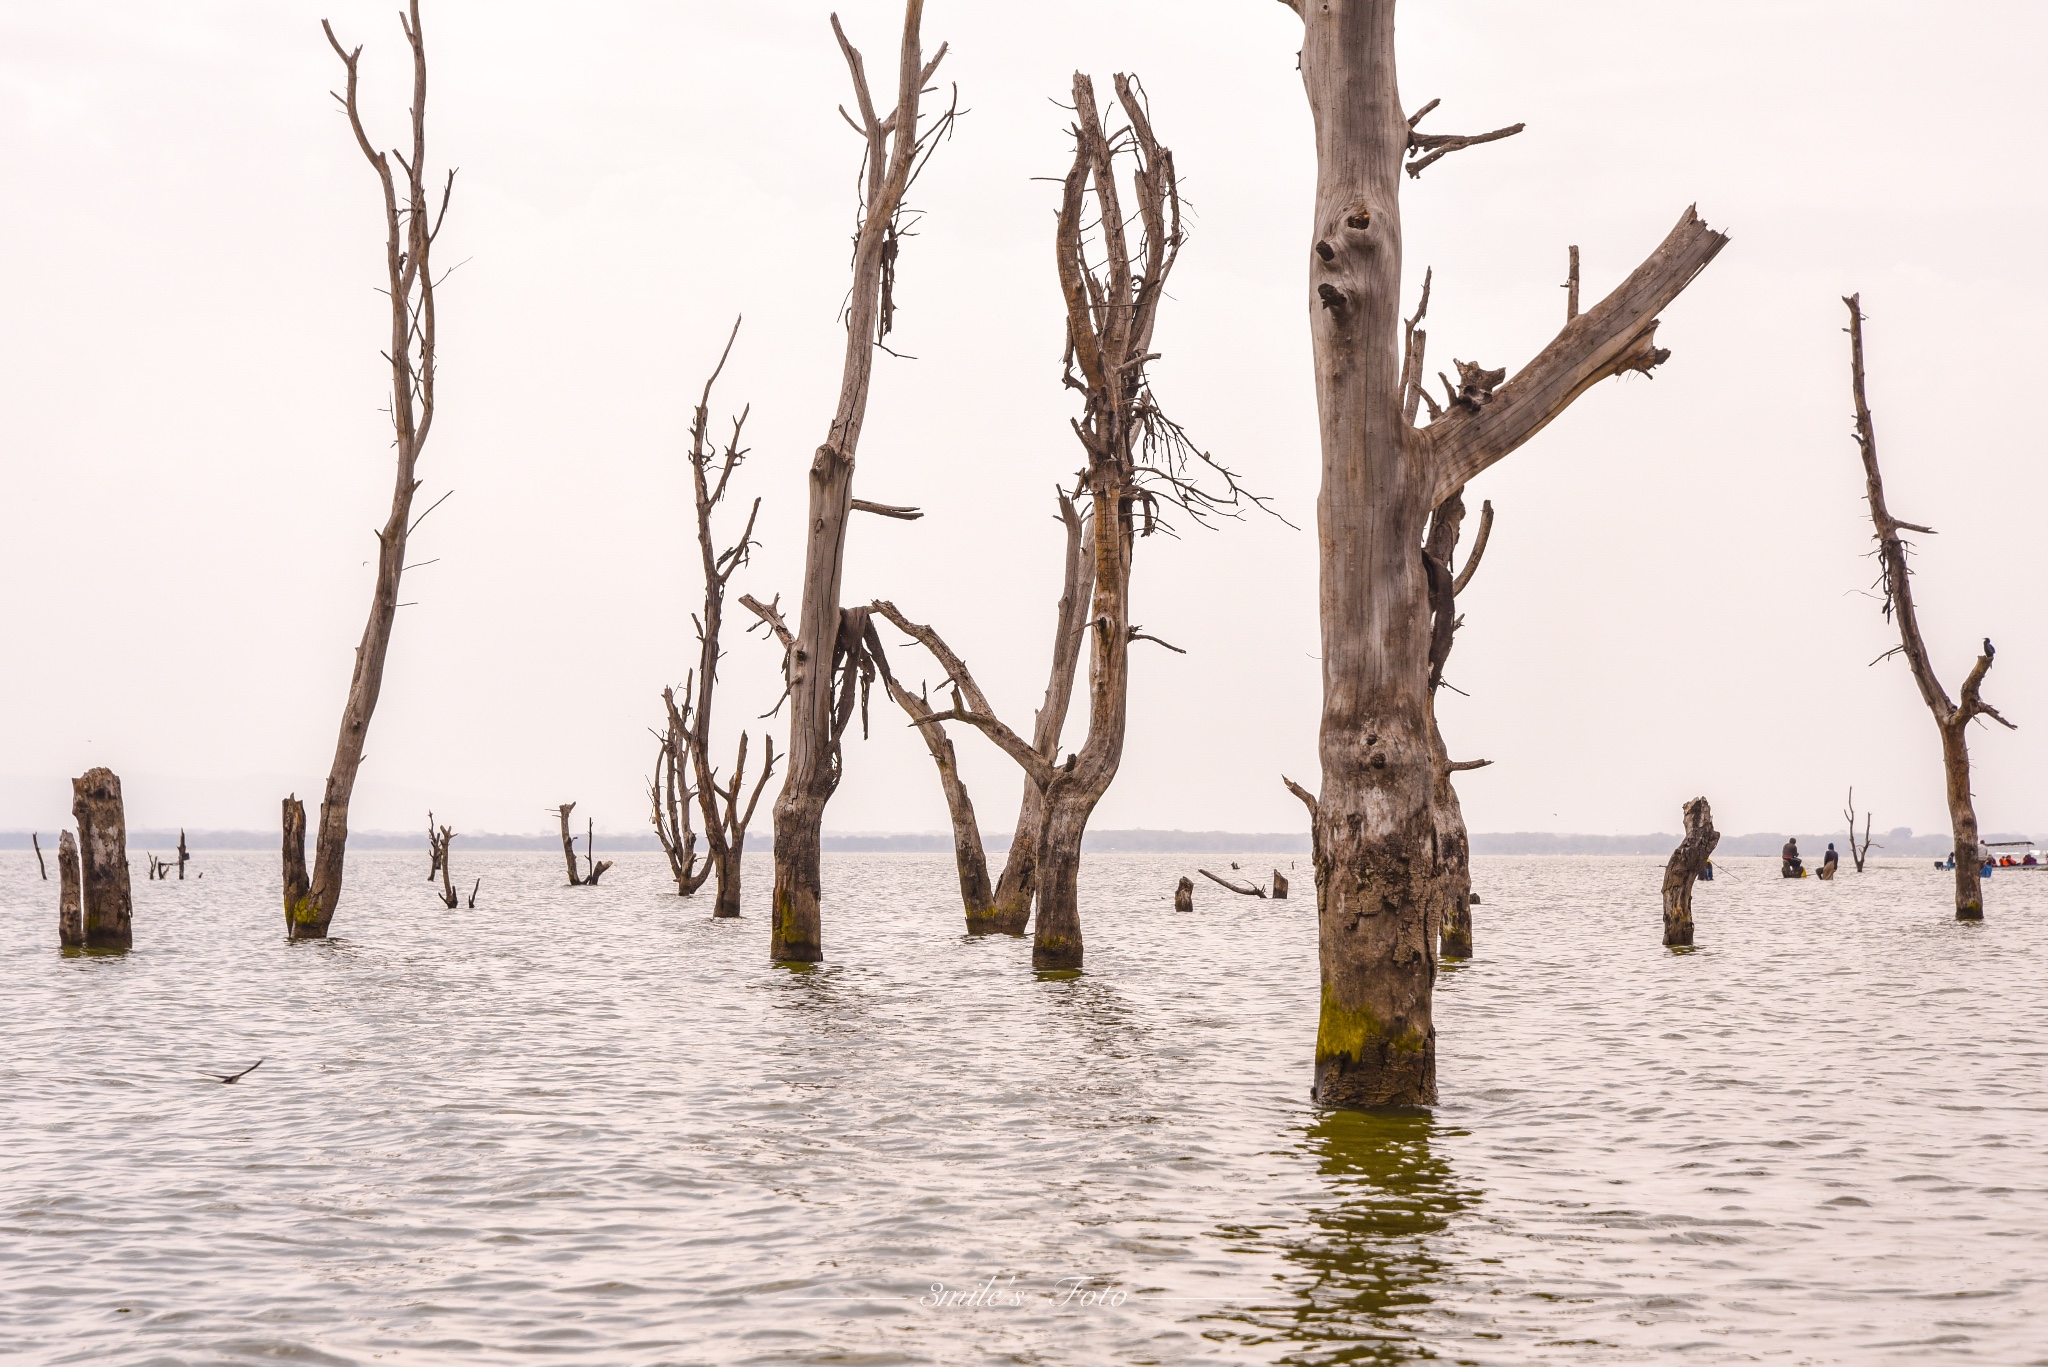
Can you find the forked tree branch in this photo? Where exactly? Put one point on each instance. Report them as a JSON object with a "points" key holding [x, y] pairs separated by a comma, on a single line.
{"points": [[1425, 149], [1618, 335], [970, 704], [1308, 799], [900, 513]]}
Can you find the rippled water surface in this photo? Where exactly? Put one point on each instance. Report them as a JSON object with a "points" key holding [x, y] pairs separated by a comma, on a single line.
{"points": [[593, 1125]]}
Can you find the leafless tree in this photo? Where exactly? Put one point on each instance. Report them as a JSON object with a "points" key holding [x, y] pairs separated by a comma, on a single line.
{"points": [[1858, 851], [433, 848], [593, 867], [725, 815], [826, 656], [411, 225], [1379, 880], [41, 868], [569, 844], [1684, 867], [670, 797], [1006, 907], [1113, 268], [1952, 719], [442, 839]]}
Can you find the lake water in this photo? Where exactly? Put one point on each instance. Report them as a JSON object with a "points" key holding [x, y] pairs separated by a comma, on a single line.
{"points": [[593, 1125]]}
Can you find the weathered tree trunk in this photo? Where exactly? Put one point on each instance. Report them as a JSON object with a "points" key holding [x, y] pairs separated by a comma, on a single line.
{"points": [[1439, 550], [298, 885], [1184, 895], [593, 867], [569, 844], [1378, 875], [1279, 886], [103, 859], [411, 225], [1859, 851], [1687, 860], [1951, 718], [969, 859], [184, 855], [70, 909], [827, 648], [446, 859], [670, 795]]}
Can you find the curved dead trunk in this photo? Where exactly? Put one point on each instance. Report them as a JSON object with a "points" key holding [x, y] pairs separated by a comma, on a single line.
{"points": [[1687, 860]]}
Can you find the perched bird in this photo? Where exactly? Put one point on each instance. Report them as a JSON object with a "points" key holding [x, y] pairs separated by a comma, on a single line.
{"points": [[1989, 649], [235, 1077]]}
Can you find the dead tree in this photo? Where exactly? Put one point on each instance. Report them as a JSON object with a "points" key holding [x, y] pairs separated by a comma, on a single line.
{"points": [[1279, 886], [438, 840], [1006, 908], [184, 855], [1952, 719], [70, 907], [1858, 851], [569, 844], [1238, 886], [434, 851], [103, 859], [1113, 269], [41, 868], [593, 867], [1184, 894], [725, 818], [410, 227], [827, 651], [1378, 878], [670, 797], [1687, 860]]}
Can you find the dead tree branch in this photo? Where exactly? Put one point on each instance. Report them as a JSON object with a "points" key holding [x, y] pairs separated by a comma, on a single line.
{"points": [[1426, 149]]}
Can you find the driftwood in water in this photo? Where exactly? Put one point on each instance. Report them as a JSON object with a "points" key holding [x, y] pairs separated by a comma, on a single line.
{"points": [[1858, 850], [41, 867], [1279, 886], [1184, 895], [442, 839], [1687, 860], [411, 223], [103, 859], [1377, 880], [1951, 718], [70, 910], [569, 844], [827, 650], [593, 867], [472, 892], [1240, 888]]}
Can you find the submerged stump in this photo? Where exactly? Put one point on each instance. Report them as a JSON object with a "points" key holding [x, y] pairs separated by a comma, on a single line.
{"points": [[1279, 886], [1184, 895], [1686, 862], [103, 859], [70, 914]]}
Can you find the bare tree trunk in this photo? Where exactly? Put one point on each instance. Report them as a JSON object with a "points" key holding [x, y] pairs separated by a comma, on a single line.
{"points": [[827, 647], [70, 909], [184, 855], [41, 868], [1439, 549], [103, 859], [1951, 718], [593, 867], [1184, 895], [410, 230], [1378, 879], [1857, 851], [1279, 886], [970, 861], [1687, 860], [444, 857], [569, 844], [670, 794], [298, 885]]}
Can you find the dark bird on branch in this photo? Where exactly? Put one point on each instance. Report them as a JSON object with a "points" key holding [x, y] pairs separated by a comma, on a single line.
{"points": [[1989, 649], [234, 1077]]}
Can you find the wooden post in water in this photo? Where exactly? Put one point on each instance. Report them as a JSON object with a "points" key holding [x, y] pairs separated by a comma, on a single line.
{"points": [[103, 859], [1686, 862], [70, 915], [184, 855], [1279, 886], [1184, 895], [42, 868], [298, 886]]}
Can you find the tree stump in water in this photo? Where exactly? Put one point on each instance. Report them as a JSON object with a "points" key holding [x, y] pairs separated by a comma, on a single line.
{"points": [[1184, 895], [103, 859], [70, 915], [1686, 862], [569, 844], [1279, 886], [298, 887]]}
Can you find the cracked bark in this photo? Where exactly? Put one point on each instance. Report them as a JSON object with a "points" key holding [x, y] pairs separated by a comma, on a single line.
{"points": [[1683, 869], [103, 860]]}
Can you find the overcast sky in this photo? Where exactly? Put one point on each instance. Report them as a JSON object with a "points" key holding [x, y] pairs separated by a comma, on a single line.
{"points": [[195, 455]]}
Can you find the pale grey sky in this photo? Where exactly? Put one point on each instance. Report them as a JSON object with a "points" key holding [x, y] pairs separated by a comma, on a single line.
{"points": [[194, 453]]}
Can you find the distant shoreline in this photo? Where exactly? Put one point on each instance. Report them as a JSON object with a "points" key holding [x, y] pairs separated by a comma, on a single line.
{"points": [[1897, 844]]}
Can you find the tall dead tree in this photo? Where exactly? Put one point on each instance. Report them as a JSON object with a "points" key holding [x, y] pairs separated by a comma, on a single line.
{"points": [[1952, 719], [826, 655], [670, 797], [1006, 907], [725, 817], [1683, 869], [103, 859], [410, 227], [184, 855], [1113, 269], [569, 844], [1858, 850], [1379, 880], [443, 839]]}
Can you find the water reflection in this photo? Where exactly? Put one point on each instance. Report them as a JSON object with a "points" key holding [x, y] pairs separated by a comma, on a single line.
{"points": [[1369, 1254]]}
